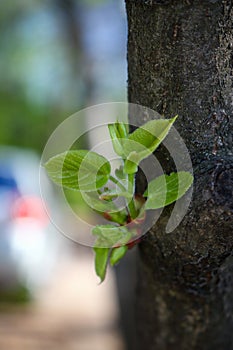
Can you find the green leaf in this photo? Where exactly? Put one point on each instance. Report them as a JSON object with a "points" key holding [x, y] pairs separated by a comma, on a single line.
{"points": [[79, 170], [144, 141], [117, 146], [118, 131], [131, 163], [112, 194], [122, 129], [107, 209], [101, 261], [92, 199], [122, 188], [120, 173], [119, 217], [110, 235], [150, 135], [166, 189], [117, 254]]}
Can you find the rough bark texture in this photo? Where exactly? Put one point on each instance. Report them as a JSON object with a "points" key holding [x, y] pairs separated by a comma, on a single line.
{"points": [[180, 60]]}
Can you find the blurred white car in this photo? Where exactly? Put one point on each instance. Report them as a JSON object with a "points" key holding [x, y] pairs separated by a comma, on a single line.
{"points": [[28, 241]]}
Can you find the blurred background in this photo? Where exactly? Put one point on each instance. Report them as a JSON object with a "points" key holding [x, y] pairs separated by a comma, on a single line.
{"points": [[57, 57]]}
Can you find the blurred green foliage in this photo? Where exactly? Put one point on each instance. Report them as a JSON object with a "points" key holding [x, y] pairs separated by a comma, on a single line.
{"points": [[38, 87], [22, 123], [47, 69], [17, 295]]}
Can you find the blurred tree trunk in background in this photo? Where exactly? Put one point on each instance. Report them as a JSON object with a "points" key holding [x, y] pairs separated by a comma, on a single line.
{"points": [[80, 62], [180, 62]]}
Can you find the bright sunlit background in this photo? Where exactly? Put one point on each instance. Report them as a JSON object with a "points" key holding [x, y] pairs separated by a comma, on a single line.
{"points": [[57, 57]]}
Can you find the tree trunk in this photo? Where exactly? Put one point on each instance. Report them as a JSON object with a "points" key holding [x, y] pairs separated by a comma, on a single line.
{"points": [[180, 60]]}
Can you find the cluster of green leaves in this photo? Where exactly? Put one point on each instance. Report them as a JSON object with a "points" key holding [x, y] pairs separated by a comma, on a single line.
{"points": [[90, 173]]}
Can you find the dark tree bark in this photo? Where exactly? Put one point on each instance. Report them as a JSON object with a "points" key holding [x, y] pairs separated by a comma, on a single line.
{"points": [[180, 61]]}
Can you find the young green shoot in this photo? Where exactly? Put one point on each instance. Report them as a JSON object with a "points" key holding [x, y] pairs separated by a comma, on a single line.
{"points": [[90, 173]]}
